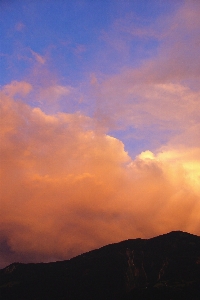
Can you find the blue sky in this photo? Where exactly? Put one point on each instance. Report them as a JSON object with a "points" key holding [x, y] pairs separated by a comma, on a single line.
{"points": [[100, 123], [70, 42], [78, 37]]}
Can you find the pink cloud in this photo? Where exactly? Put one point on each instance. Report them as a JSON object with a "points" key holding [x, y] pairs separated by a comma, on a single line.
{"points": [[39, 58], [17, 87], [164, 90]]}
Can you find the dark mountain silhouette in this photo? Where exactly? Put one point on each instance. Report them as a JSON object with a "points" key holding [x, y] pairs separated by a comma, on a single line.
{"points": [[164, 267]]}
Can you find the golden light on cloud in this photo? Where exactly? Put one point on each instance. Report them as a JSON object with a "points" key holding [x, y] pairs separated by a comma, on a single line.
{"points": [[67, 187], [99, 125]]}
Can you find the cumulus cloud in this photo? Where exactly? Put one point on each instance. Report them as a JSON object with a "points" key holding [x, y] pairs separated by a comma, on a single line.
{"points": [[67, 188]]}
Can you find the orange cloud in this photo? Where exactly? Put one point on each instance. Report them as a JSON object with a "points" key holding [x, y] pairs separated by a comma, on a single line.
{"points": [[67, 188]]}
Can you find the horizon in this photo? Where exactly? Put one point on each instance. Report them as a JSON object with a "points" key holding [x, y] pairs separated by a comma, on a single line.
{"points": [[104, 246], [100, 124]]}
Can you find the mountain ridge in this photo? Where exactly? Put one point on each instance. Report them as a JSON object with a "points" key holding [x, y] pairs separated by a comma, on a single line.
{"points": [[163, 267]]}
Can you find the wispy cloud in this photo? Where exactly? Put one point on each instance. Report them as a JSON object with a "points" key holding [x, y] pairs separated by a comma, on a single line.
{"points": [[20, 26], [39, 58], [54, 92], [162, 92], [17, 87]]}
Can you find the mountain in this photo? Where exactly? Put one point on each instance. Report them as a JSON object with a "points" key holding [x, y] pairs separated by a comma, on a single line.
{"points": [[164, 267]]}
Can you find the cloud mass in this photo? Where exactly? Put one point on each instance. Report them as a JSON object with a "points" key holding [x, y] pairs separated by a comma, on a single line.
{"points": [[67, 188], [99, 135]]}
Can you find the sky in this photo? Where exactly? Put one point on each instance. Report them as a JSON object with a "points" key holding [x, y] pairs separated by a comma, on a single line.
{"points": [[99, 125]]}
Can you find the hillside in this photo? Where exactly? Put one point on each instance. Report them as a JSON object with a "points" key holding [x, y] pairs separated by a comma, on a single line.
{"points": [[164, 267]]}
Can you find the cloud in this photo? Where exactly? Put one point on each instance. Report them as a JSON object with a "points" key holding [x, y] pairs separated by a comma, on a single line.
{"points": [[80, 49], [50, 97], [39, 58], [17, 87], [19, 26], [161, 95], [67, 188], [167, 108], [178, 46], [55, 92]]}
